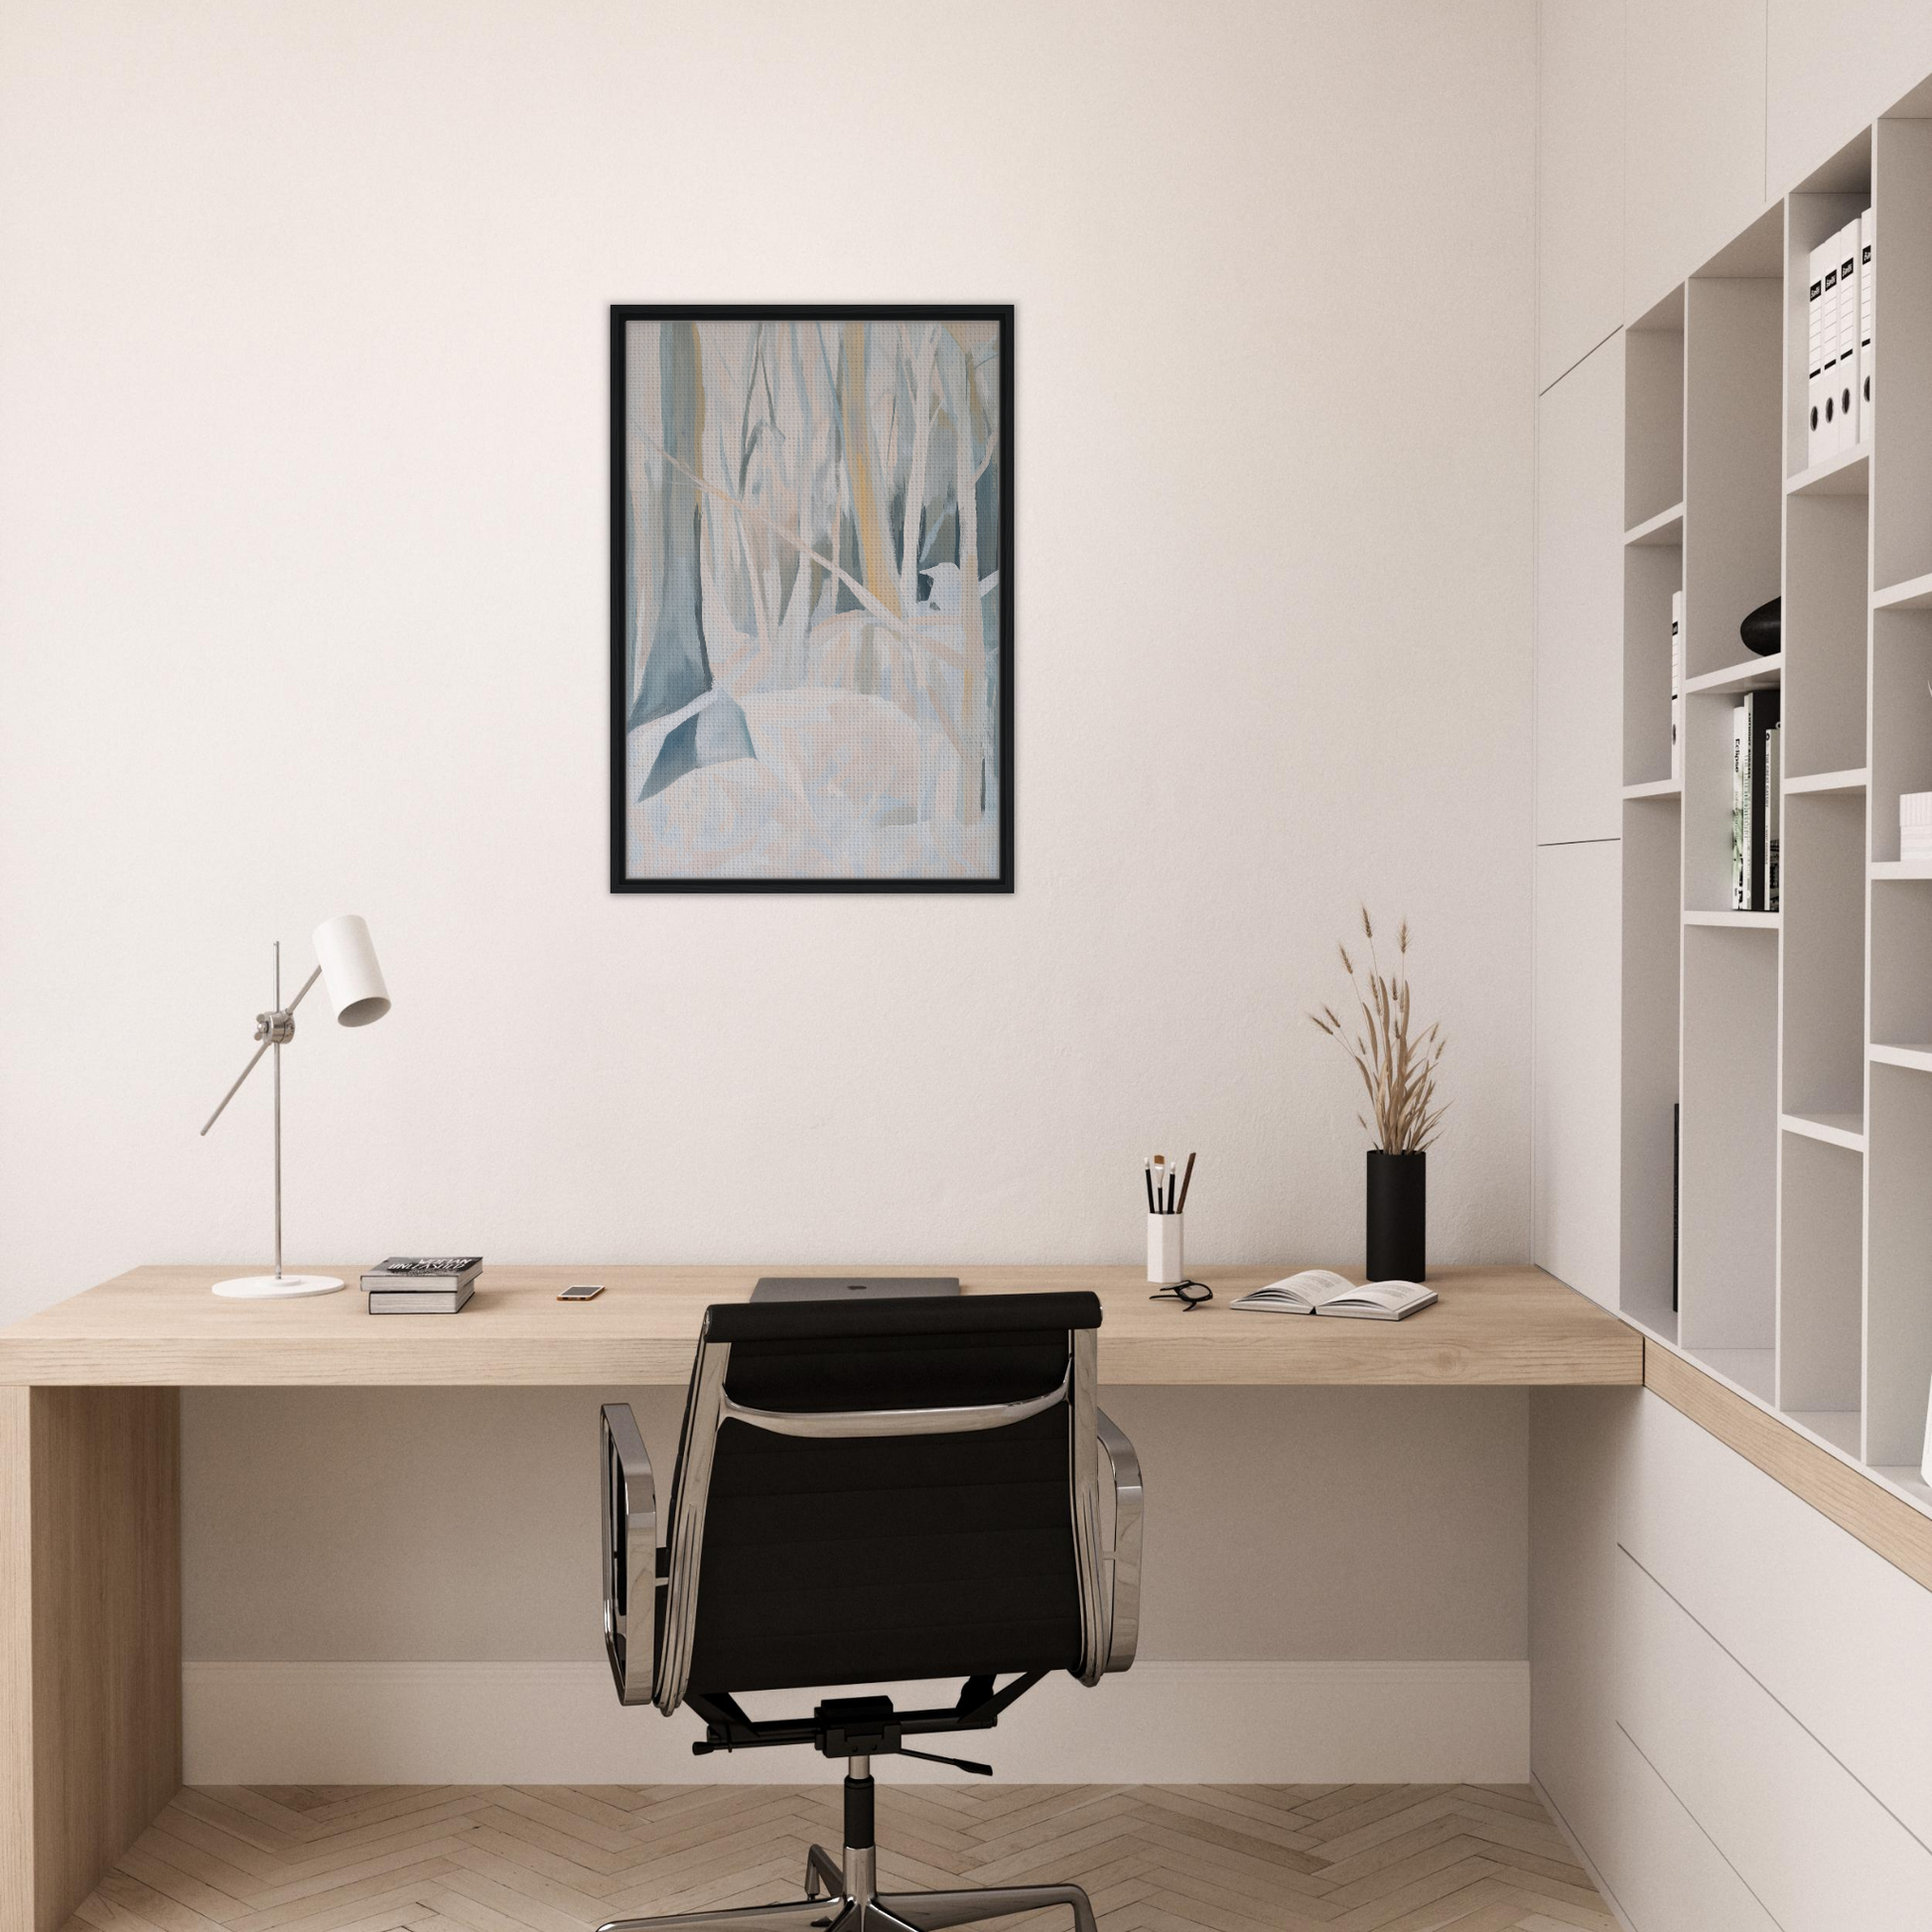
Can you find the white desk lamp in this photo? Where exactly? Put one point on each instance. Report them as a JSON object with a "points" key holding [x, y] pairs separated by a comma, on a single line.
{"points": [[346, 965]]}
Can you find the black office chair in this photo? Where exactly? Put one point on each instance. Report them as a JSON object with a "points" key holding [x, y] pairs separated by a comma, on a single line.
{"points": [[866, 1494]]}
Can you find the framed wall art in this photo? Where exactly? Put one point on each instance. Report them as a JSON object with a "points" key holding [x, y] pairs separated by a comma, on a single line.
{"points": [[811, 599]]}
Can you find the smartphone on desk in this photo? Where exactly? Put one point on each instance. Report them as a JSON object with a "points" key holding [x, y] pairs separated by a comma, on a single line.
{"points": [[582, 1292]]}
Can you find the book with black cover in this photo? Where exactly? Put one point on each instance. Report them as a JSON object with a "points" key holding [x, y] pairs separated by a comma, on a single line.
{"points": [[415, 1274], [1760, 716]]}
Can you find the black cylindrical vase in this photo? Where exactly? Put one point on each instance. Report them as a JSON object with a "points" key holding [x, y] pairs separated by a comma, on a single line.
{"points": [[1398, 1216]]}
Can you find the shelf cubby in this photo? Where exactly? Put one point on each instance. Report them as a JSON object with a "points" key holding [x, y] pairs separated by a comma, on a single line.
{"points": [[1730, 1083], [1822, 921], [1734, 481], [1652, 573], [1707, 804], [1902, 718], [1821, 1286], [1901, 963], [1898, 1310], [1813, 214], [1653, 940], [1825, 611], [1901, 401], [1653, 400]]}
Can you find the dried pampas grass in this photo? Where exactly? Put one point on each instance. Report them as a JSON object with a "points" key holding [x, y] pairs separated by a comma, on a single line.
{"points": [[1398, 1071]]}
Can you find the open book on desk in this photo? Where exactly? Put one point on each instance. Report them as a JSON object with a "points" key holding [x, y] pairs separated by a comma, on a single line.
{"points": [[1321, 1291]]}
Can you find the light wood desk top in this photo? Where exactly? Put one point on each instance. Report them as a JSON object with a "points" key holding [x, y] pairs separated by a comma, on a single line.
{"points": [[160, 1326]]}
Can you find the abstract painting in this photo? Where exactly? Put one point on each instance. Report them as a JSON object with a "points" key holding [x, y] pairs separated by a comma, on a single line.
{"points": [[811, 599]]}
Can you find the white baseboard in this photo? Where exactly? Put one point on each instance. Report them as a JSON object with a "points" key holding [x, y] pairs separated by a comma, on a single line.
{"points": [[561, 1724]]}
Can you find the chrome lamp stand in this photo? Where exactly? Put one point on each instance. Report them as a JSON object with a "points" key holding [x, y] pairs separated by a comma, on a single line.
{"points": [[346, 962]]}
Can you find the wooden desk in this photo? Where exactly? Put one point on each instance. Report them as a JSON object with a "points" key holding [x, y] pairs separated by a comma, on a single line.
{"points": [[161, 1327], [89, 1462]]}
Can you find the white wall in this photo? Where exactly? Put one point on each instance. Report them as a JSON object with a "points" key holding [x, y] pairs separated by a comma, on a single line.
{"points": [[1334, 1591], [302, 479], [302, 494], [1281, 1523]]}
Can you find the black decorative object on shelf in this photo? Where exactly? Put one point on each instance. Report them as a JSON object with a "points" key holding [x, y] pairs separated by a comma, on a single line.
{"points": [[1763, 631], [1398, 1216]]}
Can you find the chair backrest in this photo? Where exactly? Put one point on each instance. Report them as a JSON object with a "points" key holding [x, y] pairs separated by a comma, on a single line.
{"points": [[884, 1491]]}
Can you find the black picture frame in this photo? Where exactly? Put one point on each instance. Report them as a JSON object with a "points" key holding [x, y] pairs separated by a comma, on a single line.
{"points": [[622, 314]]}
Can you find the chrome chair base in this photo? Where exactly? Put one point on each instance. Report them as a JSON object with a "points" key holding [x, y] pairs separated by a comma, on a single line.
{"points": [[858, 1908]]}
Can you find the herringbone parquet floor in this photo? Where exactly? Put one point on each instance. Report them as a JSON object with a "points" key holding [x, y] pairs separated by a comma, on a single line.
{"points": [[563, 1857]]}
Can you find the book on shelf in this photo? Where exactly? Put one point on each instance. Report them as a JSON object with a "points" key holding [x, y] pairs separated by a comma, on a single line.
{"points": [[1847, 393], [1677, 687], [1867, 235], [420, 1301], [1741, 811], [1815, 358], [1321, 1291], [1752, 720], [1761, 719], [1826, 268], [1773, 807]]}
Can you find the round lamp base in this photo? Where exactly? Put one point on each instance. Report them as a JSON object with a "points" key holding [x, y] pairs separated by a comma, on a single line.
{"points": [[276, 1288]]}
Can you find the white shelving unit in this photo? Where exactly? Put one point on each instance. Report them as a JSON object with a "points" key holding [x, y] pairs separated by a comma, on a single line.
{"points": [[1797, 1044]]}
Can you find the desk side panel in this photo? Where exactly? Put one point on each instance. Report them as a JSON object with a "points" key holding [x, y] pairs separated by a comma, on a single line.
{"points": [[16, 1665], [103, 1539]]}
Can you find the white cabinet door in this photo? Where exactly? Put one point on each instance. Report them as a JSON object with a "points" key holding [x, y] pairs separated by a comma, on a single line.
{"points": [[1783, 1589], [1579, 602], [1659, 1865], [1575, 1113], [1578, 179], [1815, 1846], [1693, 137], [1832, 66]]}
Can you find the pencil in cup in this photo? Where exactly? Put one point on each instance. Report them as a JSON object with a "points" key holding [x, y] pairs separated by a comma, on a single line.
{"points": [[1164, 1249]]}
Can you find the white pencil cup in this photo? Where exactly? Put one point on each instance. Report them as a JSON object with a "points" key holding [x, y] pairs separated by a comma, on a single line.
{"points": [[1163, 1249]]}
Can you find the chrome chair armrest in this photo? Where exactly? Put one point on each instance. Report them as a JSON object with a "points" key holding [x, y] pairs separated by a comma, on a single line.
{"points": [[841, 1423], [630, 1554], [1124, 1559]]}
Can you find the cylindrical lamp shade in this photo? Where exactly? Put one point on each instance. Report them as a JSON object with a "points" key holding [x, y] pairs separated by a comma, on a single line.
{"points": [[349, 975]]}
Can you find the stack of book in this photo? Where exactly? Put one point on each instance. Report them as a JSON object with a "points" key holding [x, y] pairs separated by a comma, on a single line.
{"points": [[1754, 803], [1839, 362], [422, 1284]]}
